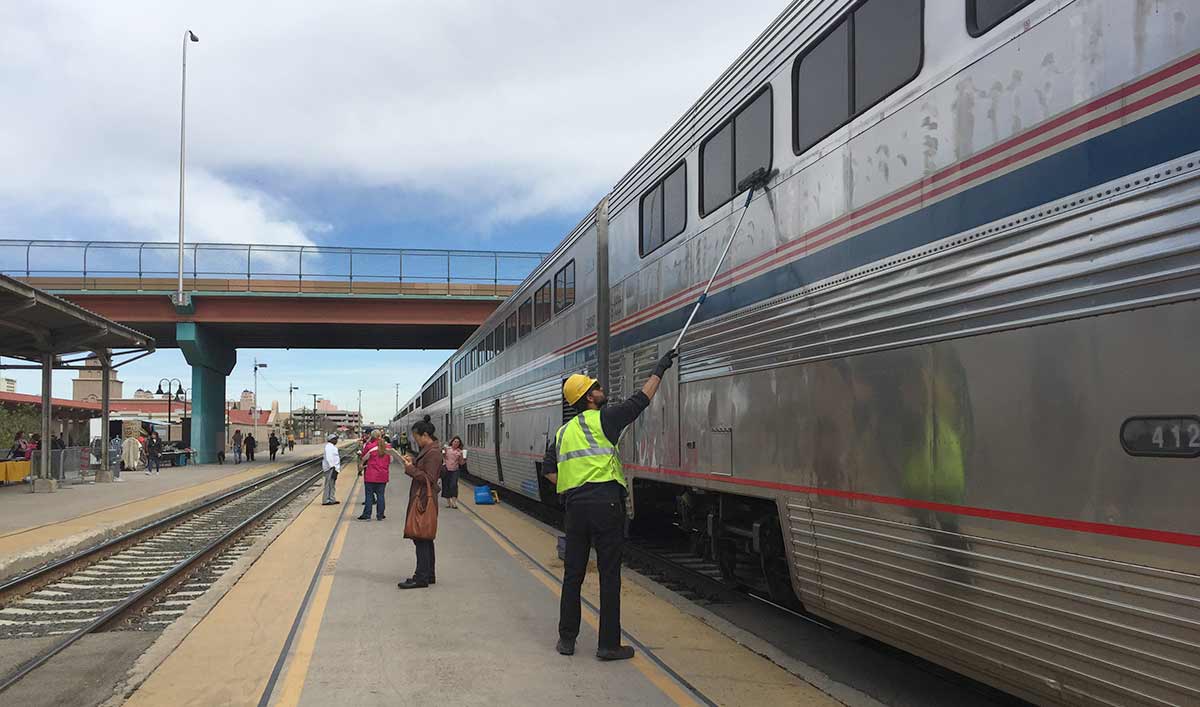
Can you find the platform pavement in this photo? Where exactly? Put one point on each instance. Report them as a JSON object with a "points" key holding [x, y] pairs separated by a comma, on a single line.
{"points": [[36, 527], [483, 635]]}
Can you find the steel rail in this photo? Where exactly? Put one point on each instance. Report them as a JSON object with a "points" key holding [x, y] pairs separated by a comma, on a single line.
{"points": [[139, 597]]}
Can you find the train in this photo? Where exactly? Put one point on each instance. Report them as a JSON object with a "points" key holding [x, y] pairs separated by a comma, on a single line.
{"points": [[944, 389]]}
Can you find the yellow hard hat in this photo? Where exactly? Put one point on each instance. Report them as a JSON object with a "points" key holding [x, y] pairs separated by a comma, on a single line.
{"points": [[576, 387]]}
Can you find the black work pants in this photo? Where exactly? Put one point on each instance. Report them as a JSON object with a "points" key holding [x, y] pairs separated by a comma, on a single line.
{"points": [[601, 525], [425, 561]]}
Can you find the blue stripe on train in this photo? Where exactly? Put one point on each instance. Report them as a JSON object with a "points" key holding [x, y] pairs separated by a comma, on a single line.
{"points": [[1157, 138]]}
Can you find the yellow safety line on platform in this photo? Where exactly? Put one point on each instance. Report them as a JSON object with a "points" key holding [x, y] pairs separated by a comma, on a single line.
{"points": [[297, 672], [657, 677]]}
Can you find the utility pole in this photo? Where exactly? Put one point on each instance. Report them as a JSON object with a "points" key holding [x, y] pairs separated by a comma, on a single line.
{"points": [[360, 421], [255, 407], [397, 408], [188, 36], [291, 417], [314, 412]]}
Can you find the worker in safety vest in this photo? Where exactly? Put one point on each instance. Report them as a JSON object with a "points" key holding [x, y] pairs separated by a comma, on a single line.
{"points": [[584, 465]]}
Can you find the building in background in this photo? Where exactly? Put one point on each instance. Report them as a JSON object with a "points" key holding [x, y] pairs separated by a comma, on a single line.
{"points": [[327, 420], [247, 401], [8, 385], [140, 394], [86, 385]]}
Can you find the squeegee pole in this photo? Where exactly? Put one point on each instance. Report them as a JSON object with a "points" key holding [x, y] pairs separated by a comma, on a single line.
{"points": [[704, 294]]}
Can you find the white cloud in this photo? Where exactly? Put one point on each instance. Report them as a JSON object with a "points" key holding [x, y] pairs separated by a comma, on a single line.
{"points": [[506, 110]]}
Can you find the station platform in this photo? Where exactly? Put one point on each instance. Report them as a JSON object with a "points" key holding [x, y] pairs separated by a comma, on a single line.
{"points": [[318, 620], [35, 527]]}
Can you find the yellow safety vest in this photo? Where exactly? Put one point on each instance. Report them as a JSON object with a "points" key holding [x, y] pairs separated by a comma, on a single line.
{"points": [[585, 455]]}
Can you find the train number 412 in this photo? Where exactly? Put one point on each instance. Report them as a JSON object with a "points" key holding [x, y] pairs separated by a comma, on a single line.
{"points": [[1165, 436]]}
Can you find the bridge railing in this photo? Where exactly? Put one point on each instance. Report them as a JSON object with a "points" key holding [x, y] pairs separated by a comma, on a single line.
{"points": [[109, 266]]}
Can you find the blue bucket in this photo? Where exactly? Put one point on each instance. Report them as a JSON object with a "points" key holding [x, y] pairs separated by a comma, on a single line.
{"points": [[483, 495]]}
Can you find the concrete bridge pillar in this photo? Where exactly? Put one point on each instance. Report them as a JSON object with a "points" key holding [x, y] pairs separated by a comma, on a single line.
{"points": [[211, 359]]}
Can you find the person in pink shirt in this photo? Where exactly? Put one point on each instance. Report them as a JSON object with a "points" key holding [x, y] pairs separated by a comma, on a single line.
{"points": [[454, 460], [375, 475]]}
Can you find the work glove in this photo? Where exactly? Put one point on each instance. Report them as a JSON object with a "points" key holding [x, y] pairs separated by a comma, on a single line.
{"points": [[665, 362]]}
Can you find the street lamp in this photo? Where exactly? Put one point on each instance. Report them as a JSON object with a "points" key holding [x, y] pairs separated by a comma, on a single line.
{"points": [[181, 396], [170, 398], [188, 36], [254, 408]]}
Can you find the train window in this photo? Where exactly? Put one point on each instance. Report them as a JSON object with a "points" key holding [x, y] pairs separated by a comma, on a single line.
{"points": [[510, 328], [489, 347], [541, 305], [982, 15], [716, 170], [735, 150], [525, 318], [887, 49], [871, 53], [664, 210], [564, 287], [499, 334]]}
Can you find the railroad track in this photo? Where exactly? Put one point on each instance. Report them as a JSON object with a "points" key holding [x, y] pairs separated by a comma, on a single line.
{"points": [[143, 579]]}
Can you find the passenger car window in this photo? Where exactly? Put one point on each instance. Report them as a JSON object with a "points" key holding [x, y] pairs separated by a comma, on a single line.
{"points": [[664, 210], [982, 15], [499, 337], [510, 326], [541, 305], [872, 52], [887, 49], [525, 316], [716, 169], [735, 150], [564, 287]]}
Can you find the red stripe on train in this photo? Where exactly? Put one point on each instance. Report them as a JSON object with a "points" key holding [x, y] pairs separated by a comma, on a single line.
{"points": [[1083, 526]]}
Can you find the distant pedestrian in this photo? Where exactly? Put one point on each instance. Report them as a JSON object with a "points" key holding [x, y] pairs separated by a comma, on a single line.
{"points": [[251, 445], [56, 442], [375, 476], [330, 464], [291, 441], [154, 449], [421, 523], [17, 451], [455, 461], [273, 445], [35, 445], [237, 446]]}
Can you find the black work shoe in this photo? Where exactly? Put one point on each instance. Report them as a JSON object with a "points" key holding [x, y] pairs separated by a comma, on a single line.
{"points": [[381, 517], [621, 653], [364, 518], [412, 584], [565, 647], [327, 503], [433, 580]]}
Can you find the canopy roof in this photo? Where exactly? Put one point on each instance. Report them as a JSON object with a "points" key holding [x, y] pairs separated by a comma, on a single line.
{"points": [[35, 323]]}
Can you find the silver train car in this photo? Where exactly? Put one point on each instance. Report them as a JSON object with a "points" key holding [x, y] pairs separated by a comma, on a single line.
{"points": [[944, 390]]}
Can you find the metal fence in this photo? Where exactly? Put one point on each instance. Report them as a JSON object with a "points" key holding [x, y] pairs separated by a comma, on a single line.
{"points": [[225, 267], [68, 465]]}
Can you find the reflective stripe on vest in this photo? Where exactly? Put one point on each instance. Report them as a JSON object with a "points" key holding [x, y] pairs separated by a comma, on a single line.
{"points": [[585, 455]]}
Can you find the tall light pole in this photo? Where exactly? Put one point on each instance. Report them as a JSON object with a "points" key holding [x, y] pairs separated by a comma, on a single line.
{"points": [[254, 408], [314, 412], [188, 36], [397, 398], [291, 416], [360, 424], [170, 398]]}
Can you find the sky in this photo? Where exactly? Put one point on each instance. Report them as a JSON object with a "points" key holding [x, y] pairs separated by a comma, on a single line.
{"points": [[456, 124]]}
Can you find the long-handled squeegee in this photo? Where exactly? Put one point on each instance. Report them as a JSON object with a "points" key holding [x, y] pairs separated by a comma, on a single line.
{"points": [[758, 179]]}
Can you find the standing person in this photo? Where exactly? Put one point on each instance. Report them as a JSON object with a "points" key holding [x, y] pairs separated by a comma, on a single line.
{"points": [[57, 442], [291, 441], [330, 464], [375, 461], [424, 470], [154, 448], [585, 466], [455, 458], [237, 446], [273, 445], [251, 445]]}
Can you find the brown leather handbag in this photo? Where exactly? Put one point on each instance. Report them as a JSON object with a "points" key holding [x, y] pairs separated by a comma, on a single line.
{"points": [[421, 523]]}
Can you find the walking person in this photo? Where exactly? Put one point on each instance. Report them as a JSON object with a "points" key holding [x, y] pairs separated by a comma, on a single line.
{"points": [[251, 445], [291, 441], [273, 445], [420, 525], [330, 464], [585, 466], [455, 460], [237, 446], [375, 460], [154, 448]]}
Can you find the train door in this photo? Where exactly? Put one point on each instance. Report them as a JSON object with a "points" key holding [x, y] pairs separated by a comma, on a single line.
{"points": [[497, 429]]}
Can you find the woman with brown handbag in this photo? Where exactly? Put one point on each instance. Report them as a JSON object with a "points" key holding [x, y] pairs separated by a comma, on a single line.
{"points": [[421, 522]]}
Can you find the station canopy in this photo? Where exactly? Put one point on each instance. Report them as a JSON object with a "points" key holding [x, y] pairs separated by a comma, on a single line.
{"points": [[34, 323]]}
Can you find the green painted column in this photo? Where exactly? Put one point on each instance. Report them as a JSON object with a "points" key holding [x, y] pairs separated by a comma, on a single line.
{"points": [[211, 359]]}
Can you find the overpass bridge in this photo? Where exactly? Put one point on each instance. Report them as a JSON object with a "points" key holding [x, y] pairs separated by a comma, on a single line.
{"points": [[271, 296]]}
